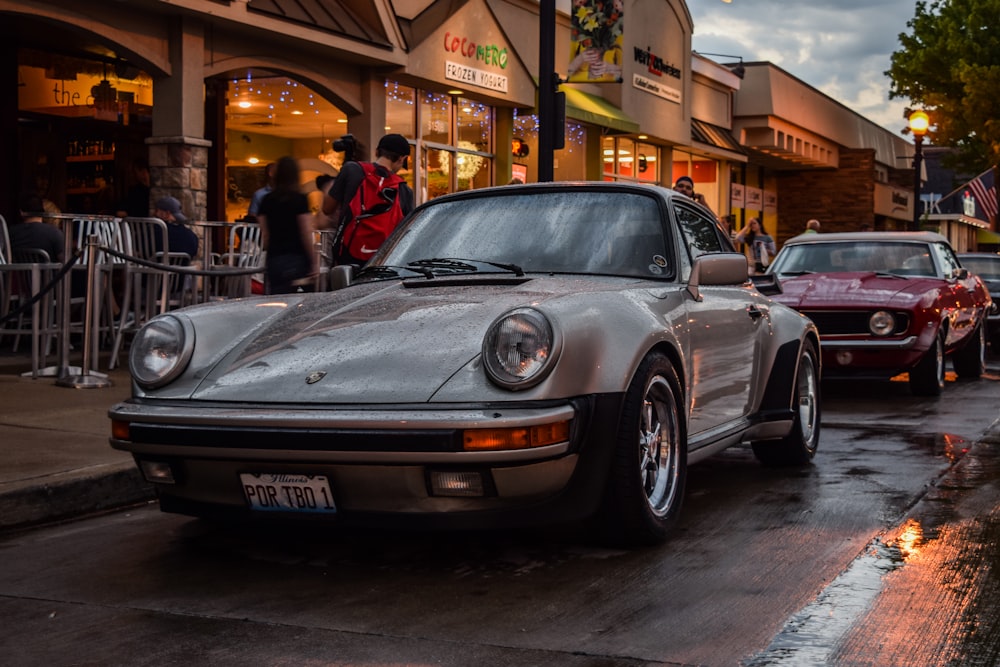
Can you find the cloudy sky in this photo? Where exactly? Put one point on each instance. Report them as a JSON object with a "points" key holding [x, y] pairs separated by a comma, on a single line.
{"points": [[840, 48]]}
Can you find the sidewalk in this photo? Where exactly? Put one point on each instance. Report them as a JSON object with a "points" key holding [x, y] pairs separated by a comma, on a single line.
{"points": [[56, 460]]}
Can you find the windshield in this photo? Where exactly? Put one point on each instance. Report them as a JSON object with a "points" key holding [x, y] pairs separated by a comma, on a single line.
{"points": [[987, 268], [899, 258], [570, 231]]}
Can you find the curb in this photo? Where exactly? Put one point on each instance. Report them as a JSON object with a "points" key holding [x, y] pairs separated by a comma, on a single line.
{"points": [[74, 498]]}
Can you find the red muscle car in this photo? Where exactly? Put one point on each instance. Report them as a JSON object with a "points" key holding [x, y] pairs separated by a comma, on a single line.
{"points": [[887, 303]]}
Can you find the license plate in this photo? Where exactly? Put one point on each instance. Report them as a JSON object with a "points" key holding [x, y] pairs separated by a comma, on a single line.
{"points": [[283, 492]]}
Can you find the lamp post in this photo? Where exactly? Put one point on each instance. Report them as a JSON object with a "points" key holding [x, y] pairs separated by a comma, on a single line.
{"points": [[919, 122]]}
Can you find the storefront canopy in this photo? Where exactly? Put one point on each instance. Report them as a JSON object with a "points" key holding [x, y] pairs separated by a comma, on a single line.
{"points": [[985, 236], [598, 111], [716, 136]]}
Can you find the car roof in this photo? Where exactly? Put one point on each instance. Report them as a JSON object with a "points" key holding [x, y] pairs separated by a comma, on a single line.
{"points": [[871, 237], [568, 186]]}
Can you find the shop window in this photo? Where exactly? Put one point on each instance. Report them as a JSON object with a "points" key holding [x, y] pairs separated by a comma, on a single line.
{"points": [[435, 117], [456, 139], [401, 118], [705, 174], [400, 109], [435, 166], [624, 159], [647, 163], [474, 121], [80, 125]]}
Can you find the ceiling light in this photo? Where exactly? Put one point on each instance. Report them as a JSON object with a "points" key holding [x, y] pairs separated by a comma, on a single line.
{"points": [[456, 92], [253, 160], [244, 105]]}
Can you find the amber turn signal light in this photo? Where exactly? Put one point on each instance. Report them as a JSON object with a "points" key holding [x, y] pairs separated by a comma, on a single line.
{"points": [[497, 439]]}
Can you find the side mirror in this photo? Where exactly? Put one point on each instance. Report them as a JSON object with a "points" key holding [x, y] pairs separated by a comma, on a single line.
{"points": [[961, 273], [722, 268]]}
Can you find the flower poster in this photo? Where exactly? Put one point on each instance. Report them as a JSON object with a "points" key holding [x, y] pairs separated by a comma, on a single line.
{"points": [[596, 41]]}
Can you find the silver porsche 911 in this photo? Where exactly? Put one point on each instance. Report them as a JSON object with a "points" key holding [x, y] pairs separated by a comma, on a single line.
{"points": [[511, 356]]}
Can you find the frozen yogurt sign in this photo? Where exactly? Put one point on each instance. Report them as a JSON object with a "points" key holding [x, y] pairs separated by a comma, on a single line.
{"points": [[469, 61]]}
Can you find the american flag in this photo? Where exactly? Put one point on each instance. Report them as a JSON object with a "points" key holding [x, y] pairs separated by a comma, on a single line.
{"points": [[985, 193]]}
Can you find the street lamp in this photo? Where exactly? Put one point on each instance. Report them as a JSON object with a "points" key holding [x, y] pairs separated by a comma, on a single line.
{"points": [[919, 122]]}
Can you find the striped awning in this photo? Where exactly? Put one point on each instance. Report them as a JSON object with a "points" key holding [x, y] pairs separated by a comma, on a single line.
{"points": [[713, 135]]}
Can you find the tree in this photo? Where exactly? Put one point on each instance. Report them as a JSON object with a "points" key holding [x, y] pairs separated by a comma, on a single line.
{"points": [[950, 66]]}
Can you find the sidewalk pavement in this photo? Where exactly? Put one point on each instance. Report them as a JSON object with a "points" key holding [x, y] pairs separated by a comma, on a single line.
{"points": [[56, 460]]}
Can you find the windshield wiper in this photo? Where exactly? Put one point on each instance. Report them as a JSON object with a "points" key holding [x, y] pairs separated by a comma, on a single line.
{"points": [[462, 265], [795, 273], [889, 274], [388, 271]]}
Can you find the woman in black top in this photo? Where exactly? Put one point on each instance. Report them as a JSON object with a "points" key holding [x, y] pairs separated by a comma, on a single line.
{"points": [[287, 233]]}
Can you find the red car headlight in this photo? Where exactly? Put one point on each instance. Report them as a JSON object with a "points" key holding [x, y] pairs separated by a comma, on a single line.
{"points": [[881, 323]]}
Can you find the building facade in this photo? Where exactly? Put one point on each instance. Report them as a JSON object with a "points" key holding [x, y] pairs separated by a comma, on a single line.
{"points": [[210, 91]]}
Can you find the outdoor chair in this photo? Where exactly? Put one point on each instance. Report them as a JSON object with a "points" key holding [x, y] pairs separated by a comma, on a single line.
{"points": [[148, 291], [23, 279], [245, 251]]}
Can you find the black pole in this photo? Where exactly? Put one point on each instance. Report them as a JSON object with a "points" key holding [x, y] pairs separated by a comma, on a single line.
{"points": [[546, 89], [918, 158]]}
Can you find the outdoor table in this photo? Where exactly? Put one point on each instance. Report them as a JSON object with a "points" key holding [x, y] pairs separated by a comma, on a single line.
{"points": [[208, 228]]}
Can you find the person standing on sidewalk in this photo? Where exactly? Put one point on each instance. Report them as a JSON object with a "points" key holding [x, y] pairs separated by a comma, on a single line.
{"points": [[391, 155], [760, 244], [286, 232]]}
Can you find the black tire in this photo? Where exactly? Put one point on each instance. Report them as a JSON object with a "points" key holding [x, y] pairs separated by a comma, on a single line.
{"points": [[645, 489], [798, 447], [927, 377], [970, 361]]}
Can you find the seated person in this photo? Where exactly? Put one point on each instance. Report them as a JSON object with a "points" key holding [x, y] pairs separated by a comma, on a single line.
{"points": [[180, 237], [32, 232]]}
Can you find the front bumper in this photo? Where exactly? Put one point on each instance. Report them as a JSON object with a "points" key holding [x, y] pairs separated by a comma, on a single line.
{"points": [[379, 461], [870, 358]]}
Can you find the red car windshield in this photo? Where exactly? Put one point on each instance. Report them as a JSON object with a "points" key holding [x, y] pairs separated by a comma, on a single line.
{"points": [[901, 258]]}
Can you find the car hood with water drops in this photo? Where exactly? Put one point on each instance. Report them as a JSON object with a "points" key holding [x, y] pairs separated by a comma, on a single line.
{"points": [[390, 342], [857, 290]]}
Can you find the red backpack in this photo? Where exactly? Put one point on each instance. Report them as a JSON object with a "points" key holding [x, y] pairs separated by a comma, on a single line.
{"points": [[375, 212]]}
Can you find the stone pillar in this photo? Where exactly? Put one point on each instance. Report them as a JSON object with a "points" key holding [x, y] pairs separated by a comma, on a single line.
{"points": [[178, 166], [178, 150]]}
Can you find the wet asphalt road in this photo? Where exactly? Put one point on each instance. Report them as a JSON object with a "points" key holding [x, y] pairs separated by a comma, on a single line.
{"points": [[882, 553]]}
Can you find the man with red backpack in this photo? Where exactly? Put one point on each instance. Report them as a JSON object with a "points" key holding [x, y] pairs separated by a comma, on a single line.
{"points": [[368, 199]]}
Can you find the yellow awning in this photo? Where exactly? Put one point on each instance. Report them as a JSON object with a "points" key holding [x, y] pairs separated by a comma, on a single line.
{"points": [[986, 236], [597, 110]]}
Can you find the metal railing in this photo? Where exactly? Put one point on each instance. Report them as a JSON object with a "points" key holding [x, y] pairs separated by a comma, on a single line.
{"points": [[86, 375]]}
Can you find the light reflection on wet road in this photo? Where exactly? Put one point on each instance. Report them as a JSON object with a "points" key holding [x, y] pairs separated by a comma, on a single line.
{"points": [[926, 593], [882, 553]]}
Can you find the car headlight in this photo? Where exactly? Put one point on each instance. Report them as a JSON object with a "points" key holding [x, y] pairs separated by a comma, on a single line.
{"points": [[518, 350], [161, 351], [881, 323]]}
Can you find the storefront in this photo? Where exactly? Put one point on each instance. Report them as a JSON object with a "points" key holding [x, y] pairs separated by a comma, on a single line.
{"points": [[810, 156], [210, 99], [211, 95], [82, 123]]}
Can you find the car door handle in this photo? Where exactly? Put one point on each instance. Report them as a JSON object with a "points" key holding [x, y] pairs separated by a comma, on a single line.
{"points": [[754, 312]]}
